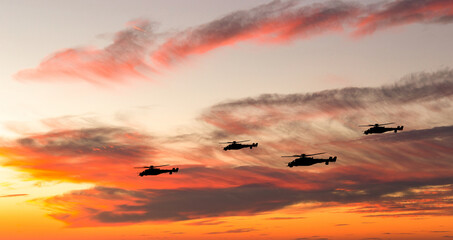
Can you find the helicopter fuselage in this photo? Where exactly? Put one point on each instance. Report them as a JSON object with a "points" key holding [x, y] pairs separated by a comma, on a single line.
{"points": [[382, 130], [308, 161], [157, 171], [236, 146]]}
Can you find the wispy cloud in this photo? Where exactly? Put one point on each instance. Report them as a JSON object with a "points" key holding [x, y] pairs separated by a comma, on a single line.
{"points": [[237, 230], [134, 54], [405, 12], [274, 22], [280, 21], [14, 195], [285, 218], [423, 92], [206, 222], [123, 59], [341, 224]]}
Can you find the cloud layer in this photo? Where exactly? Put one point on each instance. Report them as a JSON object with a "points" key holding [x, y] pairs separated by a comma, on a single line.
{"points": [[377, 175], [381, 187]]}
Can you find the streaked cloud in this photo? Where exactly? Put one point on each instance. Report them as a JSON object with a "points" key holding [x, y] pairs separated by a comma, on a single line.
{"points": [[282, 21], [418, 93], [206, 222], [273, 22], [285, 218], [237, 230], [14, 195], [405, 12], [123, 59], [135, 53]]}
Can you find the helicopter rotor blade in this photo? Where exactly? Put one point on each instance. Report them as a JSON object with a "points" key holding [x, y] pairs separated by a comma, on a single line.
{"points": [[151, 166], [293, 156], [369, 125], [386, 123], [314, 154], [233, 142]]}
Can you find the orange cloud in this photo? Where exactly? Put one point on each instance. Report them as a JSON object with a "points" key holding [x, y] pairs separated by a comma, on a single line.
{"points": [[378, 174], [369, 172], [88, 155], [341, 186], [107, 156]]}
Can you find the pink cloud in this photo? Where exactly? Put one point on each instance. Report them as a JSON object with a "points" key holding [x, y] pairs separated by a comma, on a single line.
{"points": [[123, 59], [273, 22], [404, 12], [132, 54]]}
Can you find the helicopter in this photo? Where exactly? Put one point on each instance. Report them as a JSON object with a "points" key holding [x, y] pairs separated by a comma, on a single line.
{"points": [[305, 160], [234, 145], [154, 170], [376, 128]]}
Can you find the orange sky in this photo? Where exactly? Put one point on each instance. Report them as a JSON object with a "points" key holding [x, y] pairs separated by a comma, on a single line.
{"points": [[80, 115], [329, 222]]}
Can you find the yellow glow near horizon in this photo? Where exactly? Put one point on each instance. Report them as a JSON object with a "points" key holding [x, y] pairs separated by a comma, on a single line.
{"points": [[13, 182]]}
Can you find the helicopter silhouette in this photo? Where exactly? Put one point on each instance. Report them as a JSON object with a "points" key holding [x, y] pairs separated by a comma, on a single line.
{"points": [[305, 160], [376, 128], [234, 145], [154, 170]]}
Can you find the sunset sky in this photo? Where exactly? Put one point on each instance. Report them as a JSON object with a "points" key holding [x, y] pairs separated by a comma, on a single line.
{"points": [[92, 89]]}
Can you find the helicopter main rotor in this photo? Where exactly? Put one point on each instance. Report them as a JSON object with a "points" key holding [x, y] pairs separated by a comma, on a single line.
{"points": [[305, 155], [151, 166], [376, 124], [234, 142]]}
